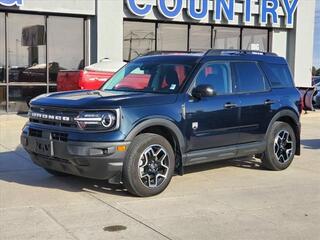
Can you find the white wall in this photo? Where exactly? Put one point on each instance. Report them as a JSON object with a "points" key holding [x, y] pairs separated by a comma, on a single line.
{"points": [[279, 42], [303, 42], [86, 7], [109, 27]]}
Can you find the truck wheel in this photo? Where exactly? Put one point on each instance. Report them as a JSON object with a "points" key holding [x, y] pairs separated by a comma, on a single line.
{"points": [[149, 165], [281, 147], [56, 173]]}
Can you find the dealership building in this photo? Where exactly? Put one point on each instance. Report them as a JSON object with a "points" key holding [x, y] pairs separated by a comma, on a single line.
{"points": [[40, 37]]}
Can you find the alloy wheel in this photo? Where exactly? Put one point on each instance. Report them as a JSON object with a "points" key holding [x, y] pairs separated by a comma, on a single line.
{"points": [[153, 166], [283, 146]]}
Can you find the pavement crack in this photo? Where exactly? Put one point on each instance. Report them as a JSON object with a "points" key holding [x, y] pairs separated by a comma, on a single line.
{"points": [[129, 216], [61, 225]]}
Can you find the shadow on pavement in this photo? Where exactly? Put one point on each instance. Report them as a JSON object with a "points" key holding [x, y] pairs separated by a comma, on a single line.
{"points": [[16, 166], [311, 143]]}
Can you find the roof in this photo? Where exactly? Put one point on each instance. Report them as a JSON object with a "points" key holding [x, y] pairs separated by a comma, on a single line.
{"points": [[217, 54]]}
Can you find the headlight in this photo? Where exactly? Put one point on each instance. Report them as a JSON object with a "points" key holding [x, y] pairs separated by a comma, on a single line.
{"points": [[101, 121]]}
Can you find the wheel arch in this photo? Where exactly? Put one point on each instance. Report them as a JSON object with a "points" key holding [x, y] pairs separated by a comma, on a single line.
{"points": [[168, 130], [290, 117]]}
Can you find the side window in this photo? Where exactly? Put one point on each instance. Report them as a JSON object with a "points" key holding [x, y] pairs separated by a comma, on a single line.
{"points": [[249, 77], [278, 75], [217, 75]]}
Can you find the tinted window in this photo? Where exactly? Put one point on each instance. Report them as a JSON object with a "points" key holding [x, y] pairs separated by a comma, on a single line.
{"points": [[172, 37], [226, 38], [65, 48], [249, 77], [278, 75], [217, 75], [200, 38], [26, 48], [139, 38], [2, 49], [255, 39]]}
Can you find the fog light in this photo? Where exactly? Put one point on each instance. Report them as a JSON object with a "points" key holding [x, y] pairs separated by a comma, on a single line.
{"points": [[121, 148]]}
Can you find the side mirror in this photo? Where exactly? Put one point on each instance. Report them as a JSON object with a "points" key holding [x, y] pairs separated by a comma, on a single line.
{"points": [[203, 91]]}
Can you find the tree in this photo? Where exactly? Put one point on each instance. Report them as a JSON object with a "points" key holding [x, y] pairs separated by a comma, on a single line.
{"points": [[314, 71]]}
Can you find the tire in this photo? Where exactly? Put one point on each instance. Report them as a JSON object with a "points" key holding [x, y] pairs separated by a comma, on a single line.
{"points": [[148, 156], [56, 173], [281, 147]]}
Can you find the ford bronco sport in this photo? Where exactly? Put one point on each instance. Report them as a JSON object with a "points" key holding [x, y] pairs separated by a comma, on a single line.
{"points": [[164, 111]]}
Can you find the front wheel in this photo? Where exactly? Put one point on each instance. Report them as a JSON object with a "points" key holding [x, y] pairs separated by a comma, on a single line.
{"points": [[149, 165], [281, 147]]}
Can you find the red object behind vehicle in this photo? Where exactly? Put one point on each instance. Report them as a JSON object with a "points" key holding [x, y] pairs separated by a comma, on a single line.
{"points": [[91, 78]]}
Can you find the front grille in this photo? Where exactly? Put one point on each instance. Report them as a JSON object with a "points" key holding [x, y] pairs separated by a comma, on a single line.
{"points": [[53, 117], [35, 133], [63, 137]]}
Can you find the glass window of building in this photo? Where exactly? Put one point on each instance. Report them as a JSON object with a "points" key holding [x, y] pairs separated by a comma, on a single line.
{"points": [[65, 47], [20, 96], [172, 37], [3, 99], [226, 38], [26, 48], [2, 49], [255, 39], [200, 38], [138, 38]]}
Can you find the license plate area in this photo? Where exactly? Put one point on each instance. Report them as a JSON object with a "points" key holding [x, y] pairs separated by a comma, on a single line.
{"points": [[44, 147]]}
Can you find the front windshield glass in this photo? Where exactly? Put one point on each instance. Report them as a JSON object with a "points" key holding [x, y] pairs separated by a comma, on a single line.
{"points": [[154, 77]]}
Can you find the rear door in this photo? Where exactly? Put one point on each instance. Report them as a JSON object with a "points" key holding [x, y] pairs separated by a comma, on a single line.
{"points": [[256, 101]]}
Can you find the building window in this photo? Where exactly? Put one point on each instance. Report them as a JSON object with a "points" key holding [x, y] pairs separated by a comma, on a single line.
{"points": [[3, 98], [65, 47], [255, 39], [26, 48], [172, 37], [200, 38], [2, 50], [20, 96], [139, 38], [226, 38]]}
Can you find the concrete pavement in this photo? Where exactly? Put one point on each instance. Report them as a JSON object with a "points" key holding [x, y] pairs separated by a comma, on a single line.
{"points": [[227, 200]]}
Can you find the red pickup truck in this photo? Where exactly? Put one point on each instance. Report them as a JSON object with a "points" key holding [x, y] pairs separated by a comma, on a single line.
{"points": [[91, 78]]}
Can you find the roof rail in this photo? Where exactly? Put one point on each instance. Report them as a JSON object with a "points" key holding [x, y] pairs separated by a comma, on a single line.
{"points": [[172, 52], [219, 52]]}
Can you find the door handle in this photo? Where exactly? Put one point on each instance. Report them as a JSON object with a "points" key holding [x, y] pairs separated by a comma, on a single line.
{"points": [[230, 105], [269, 102]]}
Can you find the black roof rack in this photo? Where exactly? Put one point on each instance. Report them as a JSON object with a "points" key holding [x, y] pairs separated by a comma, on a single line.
{"points": [[219, 52], [172, 52]]}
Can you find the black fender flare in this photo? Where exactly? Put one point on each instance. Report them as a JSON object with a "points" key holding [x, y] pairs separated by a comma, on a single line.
{"points": [[293, 115], [159, 122]]}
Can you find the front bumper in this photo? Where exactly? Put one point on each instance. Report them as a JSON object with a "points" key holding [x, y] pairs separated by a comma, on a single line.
{"points": [[97, 160]]}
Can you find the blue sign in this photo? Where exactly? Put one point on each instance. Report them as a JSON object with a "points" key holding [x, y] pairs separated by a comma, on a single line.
{"points": [[10, 3], [199, 10]]}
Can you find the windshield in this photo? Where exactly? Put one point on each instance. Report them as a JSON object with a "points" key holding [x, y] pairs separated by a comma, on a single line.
{"points": [[154, 77]]}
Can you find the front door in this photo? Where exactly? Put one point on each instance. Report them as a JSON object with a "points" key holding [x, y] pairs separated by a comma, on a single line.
{"points": [[212, 122]]}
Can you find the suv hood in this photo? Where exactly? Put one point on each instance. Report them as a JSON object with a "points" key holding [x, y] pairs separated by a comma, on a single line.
{"points": [[99, 99]]}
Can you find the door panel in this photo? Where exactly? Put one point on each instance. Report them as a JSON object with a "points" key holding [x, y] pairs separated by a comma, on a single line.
{"points": [[256, 101], [256, 114], [209, 124]]}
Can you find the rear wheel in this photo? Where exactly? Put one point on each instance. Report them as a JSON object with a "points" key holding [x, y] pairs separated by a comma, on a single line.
{"points": [[149, 165], [281, 147]]}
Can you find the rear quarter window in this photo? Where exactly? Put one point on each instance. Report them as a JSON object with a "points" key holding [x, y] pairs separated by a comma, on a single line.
{"points": [[278, 75]]}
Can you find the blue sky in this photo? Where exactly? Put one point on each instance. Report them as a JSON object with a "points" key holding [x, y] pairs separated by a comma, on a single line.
{"points": [[316, 56]]}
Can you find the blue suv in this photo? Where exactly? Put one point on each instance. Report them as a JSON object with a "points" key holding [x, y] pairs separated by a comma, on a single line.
{"points": [[167, 110]]}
